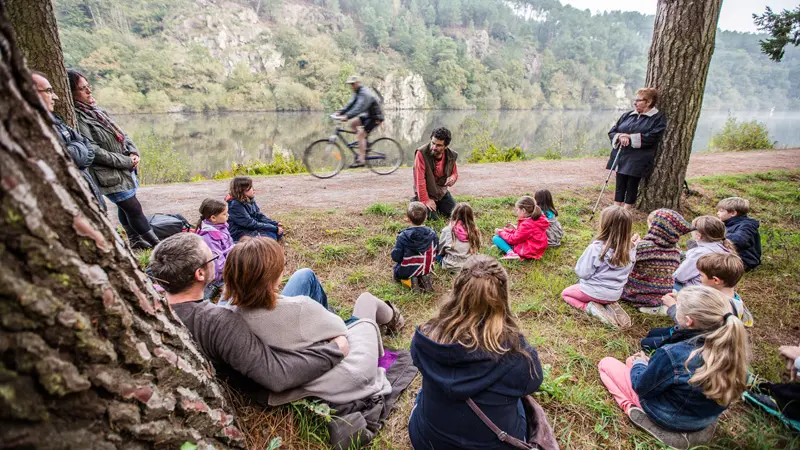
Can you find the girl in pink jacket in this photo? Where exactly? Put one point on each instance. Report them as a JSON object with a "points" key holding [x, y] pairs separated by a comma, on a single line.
{"points": [[528, 240]]}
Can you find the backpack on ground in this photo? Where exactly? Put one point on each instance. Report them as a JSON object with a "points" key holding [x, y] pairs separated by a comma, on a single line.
{"points": [[165, 225]]}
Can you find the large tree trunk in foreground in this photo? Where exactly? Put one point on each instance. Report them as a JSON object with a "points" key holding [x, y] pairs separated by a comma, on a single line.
{"points": [[37, 36], [90, 356], [683, 42]]}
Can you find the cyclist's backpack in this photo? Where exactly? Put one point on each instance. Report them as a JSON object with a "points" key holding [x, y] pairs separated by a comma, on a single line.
{"points": [[165, 225]]}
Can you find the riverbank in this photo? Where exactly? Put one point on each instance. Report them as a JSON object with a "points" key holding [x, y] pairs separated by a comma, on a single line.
{"points": [[353, 190]]}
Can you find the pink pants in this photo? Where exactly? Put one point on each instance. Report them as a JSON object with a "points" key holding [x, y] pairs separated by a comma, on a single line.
{"points": [[616, 376], [575, 297]]}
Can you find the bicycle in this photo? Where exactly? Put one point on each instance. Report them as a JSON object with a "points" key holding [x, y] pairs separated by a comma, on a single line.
{"points": [[324, 158]]}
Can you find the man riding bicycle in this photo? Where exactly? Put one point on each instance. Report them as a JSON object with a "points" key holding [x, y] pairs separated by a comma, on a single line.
{"points": [[366, 113]]}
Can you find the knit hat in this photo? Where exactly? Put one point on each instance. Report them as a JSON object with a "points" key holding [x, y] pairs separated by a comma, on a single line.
{"points": [[667, 227]]}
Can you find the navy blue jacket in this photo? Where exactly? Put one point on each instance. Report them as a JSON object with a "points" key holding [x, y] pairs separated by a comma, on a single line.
{"points": [[646, 130], [442, 420], [414, 252], [743, 232], [245, 219], [664, 390]]}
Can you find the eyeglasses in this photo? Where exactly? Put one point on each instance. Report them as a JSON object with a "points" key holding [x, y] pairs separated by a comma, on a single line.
{"points": [[47, 91], [209, 261], [639, 100]]}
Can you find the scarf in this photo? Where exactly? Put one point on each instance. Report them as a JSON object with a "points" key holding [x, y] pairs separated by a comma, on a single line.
{"points": [[103, 118]]}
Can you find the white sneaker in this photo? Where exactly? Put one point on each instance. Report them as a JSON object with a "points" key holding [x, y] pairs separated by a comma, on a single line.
{"points": [[511, 255], [654, 310], [605, 316]]}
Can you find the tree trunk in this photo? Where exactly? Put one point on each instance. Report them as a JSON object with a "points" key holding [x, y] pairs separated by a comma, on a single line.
{"points": [[37, 35], [90, 356], [683, 42]]}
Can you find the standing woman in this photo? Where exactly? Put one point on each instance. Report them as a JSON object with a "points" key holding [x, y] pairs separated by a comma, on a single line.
{"points": [[115, 161], [636, 134]]}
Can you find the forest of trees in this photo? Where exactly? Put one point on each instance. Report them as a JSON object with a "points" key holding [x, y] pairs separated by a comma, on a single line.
{"points": [[514, 54]]}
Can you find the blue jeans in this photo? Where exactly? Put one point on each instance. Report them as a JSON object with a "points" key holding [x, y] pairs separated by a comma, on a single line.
{"points": [[501, 244], [305, 282]]}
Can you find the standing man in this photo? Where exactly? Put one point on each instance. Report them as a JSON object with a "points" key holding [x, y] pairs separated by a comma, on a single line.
{"points": [[434, 172], [78, 146], [366, 113]]}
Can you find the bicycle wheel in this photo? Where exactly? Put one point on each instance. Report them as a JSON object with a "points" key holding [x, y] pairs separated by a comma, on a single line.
{"points": [[384, 156], [323, 158]]}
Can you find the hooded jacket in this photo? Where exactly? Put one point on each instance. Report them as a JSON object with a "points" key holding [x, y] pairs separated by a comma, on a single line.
{"points": [[219, 241], [451, 374], [454, 247], [414, 252], [599, 278], [743, 232], [657, 257], [687, 273], [245, 218], [529, 240]]}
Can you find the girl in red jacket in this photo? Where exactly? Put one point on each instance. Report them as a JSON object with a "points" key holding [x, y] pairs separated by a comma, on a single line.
{"points": [[528, 240]]}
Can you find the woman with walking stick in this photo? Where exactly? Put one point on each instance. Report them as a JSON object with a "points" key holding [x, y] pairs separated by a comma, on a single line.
{"points": [[635, 135]]}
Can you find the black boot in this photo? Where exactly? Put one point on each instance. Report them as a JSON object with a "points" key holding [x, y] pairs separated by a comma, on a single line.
{"points": [[151, 238], [136, 241]]}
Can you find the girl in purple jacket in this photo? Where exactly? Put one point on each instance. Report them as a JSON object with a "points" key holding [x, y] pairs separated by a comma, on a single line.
{"points": [[213, 228]]}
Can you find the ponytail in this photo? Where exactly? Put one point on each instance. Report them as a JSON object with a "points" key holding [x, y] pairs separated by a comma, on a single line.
{"points": [[528, 204], [208, 208], [713, 230]]}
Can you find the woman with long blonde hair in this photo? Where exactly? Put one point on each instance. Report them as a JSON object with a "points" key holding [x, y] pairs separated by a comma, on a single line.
{"points": [[710, 237], [473, 349], [684, 386]]}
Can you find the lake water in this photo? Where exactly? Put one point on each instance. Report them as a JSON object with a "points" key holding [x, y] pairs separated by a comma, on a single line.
{"points": [[209, 143]]}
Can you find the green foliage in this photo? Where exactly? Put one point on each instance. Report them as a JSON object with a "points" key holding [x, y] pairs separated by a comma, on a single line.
{"points": [[380, 209], [784, 29], [741, 136], [160, 162], [495, 154], [280, 165]]}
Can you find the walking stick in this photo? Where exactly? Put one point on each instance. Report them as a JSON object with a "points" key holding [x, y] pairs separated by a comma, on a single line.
{"points": [[613, 167]]}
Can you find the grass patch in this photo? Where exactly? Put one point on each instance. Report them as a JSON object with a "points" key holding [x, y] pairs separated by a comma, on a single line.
{"points": [[380, 209], [280, 165], [570, 344]]}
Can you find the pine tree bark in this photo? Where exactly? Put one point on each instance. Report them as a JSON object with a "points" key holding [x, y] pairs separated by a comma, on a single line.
{"points": [[680, 54], [90, 356], [36, 32]]}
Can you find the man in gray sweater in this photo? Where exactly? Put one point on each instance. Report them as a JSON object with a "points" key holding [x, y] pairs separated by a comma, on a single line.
{"points": [[183, 265]]}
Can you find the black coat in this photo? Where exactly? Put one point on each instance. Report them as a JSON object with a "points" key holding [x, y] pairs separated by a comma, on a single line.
{"points": [[81, 151], [637, 161]]}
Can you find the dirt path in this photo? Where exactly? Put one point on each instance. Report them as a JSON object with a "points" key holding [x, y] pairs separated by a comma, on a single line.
{"points": [[355, 190]]}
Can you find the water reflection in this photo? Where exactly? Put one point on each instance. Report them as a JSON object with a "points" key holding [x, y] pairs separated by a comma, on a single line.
{"points": [[212, 143]]}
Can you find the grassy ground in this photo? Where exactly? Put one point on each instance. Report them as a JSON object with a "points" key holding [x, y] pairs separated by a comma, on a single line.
{"points": [[350, 253]]}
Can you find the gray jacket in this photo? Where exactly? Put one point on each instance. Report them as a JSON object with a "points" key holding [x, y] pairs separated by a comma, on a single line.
{"points": [[554, 232], [363, 102], [598, 277], [454, 252], [687, 273], [112, 164]]}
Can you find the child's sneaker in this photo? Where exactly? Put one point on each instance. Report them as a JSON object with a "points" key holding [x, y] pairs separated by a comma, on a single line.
{"points": [[660, 310], [672, 438], [597, 310], [425, 283], [512, 255], [622, 318]]}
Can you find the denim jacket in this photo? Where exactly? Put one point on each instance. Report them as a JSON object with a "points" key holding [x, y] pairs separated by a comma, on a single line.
{"points": [[664, 390]]}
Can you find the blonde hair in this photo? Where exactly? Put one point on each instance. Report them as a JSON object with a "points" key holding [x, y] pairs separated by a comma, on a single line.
{"points": [[723, 374], [477, 314], [615, 232], [712, 230], [650, 94], [528, 204], [738, 204], [463, 213]]}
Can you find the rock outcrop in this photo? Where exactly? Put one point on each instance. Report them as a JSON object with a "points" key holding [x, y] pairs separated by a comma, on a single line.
{"points": [[403, 92]]}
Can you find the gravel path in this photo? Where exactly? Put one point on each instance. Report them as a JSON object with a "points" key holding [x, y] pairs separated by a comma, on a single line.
{"points": [[355, 190]]}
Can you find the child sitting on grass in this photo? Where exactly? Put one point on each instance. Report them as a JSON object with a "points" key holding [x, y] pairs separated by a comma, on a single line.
{"points": [[459, 239], [244, 216], [657, 257], [213, 228], [709, 237], [603, 269], [528, 240], [679, 392], [415, 250], [544, 199], [741, 230], [720, 271]]}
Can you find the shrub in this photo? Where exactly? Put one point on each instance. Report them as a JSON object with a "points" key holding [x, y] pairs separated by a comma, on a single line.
{"points": [[494, 154], [380, 209], [742, 136], [160, 162], [280, 165]]}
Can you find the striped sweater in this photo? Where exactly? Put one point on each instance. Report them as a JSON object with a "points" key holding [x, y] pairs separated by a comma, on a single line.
{"points": [[657, 257]]}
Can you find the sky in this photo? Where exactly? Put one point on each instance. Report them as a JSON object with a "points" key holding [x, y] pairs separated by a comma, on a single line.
{"points": [[736, 15]]}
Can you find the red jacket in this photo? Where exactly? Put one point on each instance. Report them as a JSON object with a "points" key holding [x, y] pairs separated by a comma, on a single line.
{"points": [[529, 240]]}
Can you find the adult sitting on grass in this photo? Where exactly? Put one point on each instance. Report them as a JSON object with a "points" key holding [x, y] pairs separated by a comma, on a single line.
{"points": [[252, 274], [183, 265], [434, 172], [473, 349]]}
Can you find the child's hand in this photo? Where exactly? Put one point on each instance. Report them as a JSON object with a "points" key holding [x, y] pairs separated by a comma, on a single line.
{"points": [[642, 355], [635, 238], [497, 230], [669, 300], [510, 226]]}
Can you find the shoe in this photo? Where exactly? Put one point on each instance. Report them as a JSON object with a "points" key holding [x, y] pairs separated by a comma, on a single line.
{"points": [[136, 242], [622, 318], [397, 323], [703, 436], [654, 310], [672, 438], [597, 310], [356, 164], [416, 286], [511, 255], [425, 283], [151, 238]]}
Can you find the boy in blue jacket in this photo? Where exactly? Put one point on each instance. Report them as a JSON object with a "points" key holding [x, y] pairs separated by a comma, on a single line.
{"points": [[415, 250], [741, 230]]}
